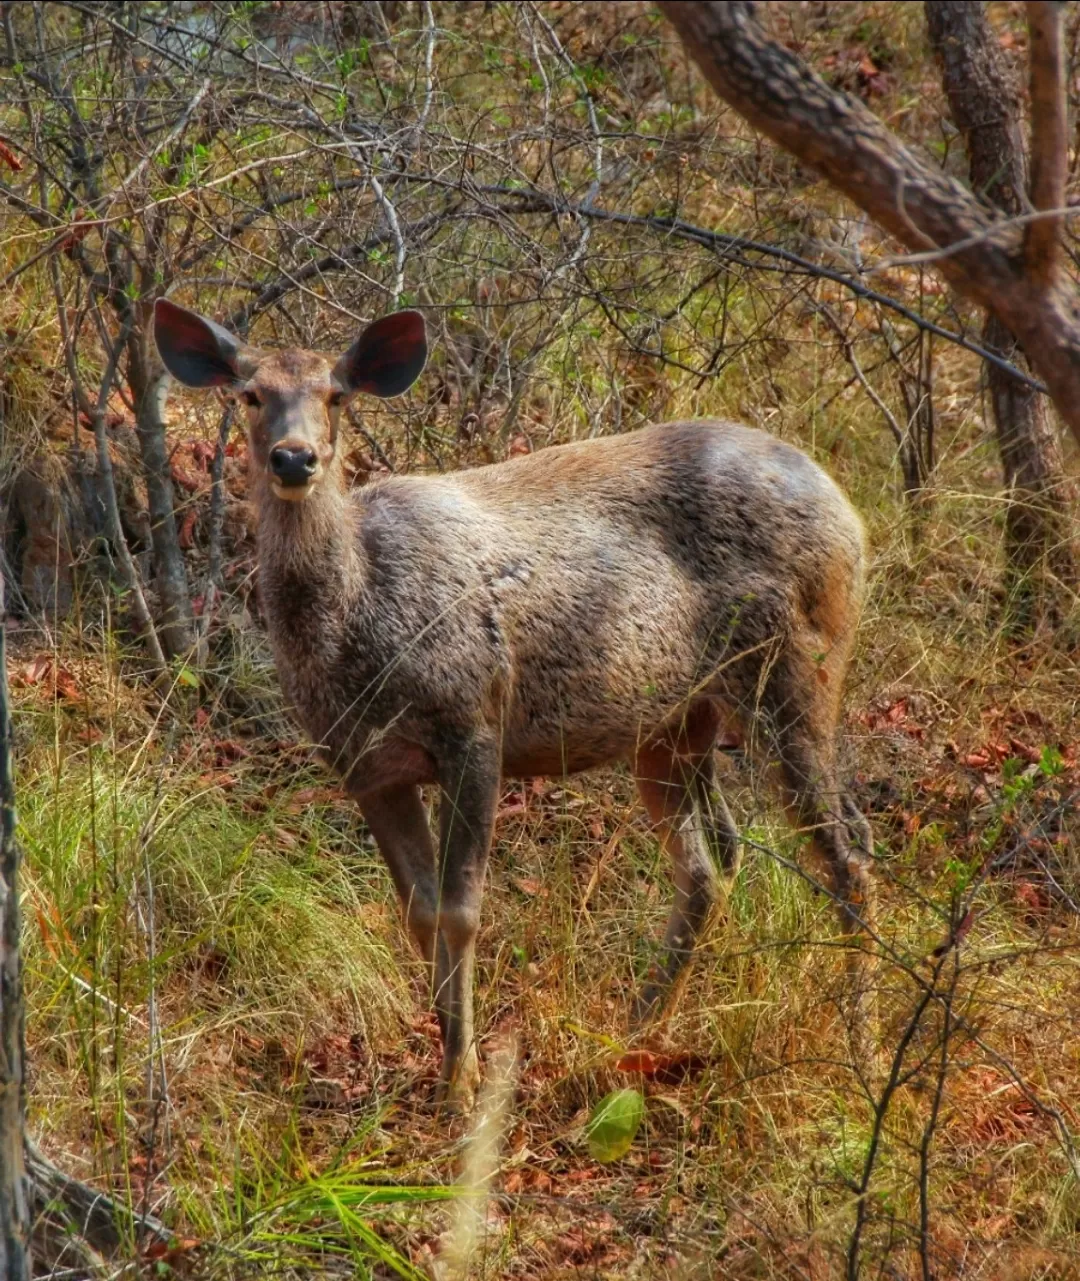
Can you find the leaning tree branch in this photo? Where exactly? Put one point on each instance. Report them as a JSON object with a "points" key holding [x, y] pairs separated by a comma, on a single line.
{"points": [[923, 208], [1049, 140]]}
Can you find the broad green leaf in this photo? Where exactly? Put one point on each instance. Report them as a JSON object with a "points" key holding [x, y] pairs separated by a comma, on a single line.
{"points": [[614, 1124]]}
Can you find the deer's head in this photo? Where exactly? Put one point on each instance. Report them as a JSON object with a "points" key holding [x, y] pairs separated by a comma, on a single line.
{"points": [[293, 397]]}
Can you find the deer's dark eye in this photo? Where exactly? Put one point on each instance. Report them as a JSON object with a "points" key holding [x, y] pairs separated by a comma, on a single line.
{"points": [[251, 398]]}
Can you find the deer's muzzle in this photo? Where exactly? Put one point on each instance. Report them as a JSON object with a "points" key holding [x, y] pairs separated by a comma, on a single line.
{"points": [[292, 469]]}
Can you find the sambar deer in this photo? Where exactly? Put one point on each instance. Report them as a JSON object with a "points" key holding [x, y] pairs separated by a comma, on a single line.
{"points": [[617, 599]]}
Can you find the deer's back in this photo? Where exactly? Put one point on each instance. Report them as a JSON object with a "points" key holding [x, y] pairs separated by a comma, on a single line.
{"points": [[588, 591]]}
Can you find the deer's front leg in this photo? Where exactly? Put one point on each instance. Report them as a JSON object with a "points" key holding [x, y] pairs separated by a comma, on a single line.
{"points": [[399, 823], [469, 777]]}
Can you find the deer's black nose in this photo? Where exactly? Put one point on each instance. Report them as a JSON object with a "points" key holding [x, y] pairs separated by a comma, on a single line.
{"points": [[292, 465]]}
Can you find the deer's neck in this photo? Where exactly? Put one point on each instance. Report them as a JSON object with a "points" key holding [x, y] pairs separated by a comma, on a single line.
{"points": [[310, 568]]}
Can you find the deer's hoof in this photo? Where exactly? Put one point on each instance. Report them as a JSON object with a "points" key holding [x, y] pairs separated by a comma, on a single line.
{"points": [[648, 1004]]}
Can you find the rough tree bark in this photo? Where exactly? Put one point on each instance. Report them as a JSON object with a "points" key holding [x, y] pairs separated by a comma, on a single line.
{"points": [[985, 107], [1011, 269], [149, 385], [14, 1199]]}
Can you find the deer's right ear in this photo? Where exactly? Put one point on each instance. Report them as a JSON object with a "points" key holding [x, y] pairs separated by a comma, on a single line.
{"points": [[197, 352]]}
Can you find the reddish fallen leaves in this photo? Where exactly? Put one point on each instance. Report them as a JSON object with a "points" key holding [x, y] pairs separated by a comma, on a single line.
{"points": [[588, 1244], [182, 477], [306, 797], [527, 1178], [990, 755], [1033, 897], [513, 804], [530, 886], [171, 1254], [856, 71], [896, 717], [114, 418], [1006, 1117], [227, 750], [186, 536], [665, 1069], [219, 780], [202, 455], [44, 670], [9, 157]]}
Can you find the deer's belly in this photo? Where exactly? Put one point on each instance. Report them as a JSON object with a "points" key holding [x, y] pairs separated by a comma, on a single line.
{"points": [[393, 762], [552, 762]]}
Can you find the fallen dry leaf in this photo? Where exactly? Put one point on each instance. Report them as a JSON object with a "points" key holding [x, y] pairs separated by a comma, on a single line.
{"points": [[186, 536], [9, 157], [36, 670], [667, 1069], [531, 886], [306, 797]]}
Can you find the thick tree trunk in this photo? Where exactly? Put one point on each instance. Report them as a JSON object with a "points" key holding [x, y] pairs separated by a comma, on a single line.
{"points": [[1039, 560], [148, 388], [985, 106], [14, 1199], [1003, 267]]}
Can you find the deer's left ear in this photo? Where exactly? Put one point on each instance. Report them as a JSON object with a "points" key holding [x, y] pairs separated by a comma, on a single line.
{"points": [[387, 358]]}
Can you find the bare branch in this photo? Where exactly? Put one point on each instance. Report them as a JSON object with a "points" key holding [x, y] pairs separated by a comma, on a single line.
{"points": [[129, 572], [390, 214], [429, 63], [14, 1208], [853, 360], [217, 520], [1049, 140]]}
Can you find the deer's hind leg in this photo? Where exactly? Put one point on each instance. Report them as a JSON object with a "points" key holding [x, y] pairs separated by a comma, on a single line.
{"points": [[800, 712], [676, 778]]}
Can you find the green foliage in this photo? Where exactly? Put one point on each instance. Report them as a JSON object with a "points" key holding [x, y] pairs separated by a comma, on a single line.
{"points": [[614, 1124]]}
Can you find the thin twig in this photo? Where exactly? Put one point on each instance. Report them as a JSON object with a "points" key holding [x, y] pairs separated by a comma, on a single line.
{"points": [[853, 361], [217, 520], [390, 214], [930, 1128], [732, 247], [97, 415]]}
